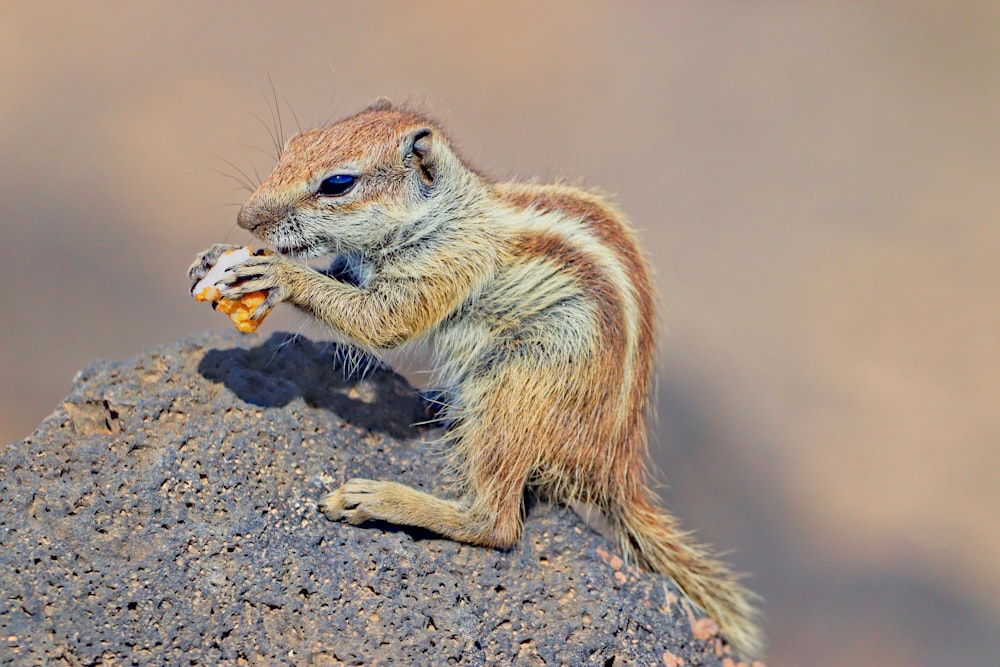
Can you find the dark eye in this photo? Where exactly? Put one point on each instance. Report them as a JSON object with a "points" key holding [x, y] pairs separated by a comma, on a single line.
{"points": [[335, 185]]}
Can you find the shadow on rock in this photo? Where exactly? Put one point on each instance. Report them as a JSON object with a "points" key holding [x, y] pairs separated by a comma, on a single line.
{"points": [[342, 379]]}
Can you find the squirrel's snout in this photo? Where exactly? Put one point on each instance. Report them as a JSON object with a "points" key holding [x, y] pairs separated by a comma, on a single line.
{"points": [[254, 216], [247, 219]]}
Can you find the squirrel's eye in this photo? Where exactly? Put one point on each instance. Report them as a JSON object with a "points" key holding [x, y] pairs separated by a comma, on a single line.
{"points": [[335, 185]]}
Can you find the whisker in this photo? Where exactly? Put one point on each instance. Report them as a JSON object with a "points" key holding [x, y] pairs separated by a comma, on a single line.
{"points": [[270, 133], [243, 173], [294, 115], [276, 114], [243, 184], [259, 149], [230, 232]]}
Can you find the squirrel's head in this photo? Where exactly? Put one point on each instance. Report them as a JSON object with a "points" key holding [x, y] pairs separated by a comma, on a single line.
{"points": [[364, 183]]}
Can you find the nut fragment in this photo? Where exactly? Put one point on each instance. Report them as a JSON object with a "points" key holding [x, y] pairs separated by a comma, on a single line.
{"points": [[240, 310]]}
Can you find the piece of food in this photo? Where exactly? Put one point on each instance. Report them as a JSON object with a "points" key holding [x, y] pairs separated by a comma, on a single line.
{"points": [[240, 310]]}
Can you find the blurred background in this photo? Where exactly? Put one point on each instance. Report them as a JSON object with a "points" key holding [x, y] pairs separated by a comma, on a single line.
{"points": [[815, 183]]}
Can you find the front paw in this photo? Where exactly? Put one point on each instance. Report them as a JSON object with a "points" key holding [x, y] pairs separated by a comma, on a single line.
{"points": [[206, 259], [263, 273]]}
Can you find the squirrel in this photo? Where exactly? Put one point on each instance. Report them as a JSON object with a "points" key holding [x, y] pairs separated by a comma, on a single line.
{"points": [[537, 306]]}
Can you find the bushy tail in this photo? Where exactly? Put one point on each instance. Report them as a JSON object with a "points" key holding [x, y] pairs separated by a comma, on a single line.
{"points": [[655, 542]]}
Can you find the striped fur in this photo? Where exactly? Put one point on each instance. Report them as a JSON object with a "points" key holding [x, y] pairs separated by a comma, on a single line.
{"points": [[538, 307]]}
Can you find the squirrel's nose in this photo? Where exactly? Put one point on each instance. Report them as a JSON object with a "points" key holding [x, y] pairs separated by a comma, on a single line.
{"points": [[246, 218], [253, 216]]}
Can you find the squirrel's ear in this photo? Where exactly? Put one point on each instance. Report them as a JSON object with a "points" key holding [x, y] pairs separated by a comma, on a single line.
{"points": [[380, 104], [419, 153]]}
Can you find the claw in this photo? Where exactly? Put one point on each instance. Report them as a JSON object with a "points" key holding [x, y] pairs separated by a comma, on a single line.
{"points": [[204, 262], [261, 311]]}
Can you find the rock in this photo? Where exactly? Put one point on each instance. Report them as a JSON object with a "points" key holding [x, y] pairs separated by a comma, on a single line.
{"points": [[166, 513]]}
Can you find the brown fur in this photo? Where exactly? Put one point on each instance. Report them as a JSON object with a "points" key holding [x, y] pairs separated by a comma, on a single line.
{"points": [[538, 306]]}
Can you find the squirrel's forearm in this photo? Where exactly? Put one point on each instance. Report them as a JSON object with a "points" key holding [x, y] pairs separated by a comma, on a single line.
{"points": [[386, 313]]}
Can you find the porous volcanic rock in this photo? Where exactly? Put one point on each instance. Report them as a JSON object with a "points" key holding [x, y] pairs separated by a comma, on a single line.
{"points": [[166, 513]]}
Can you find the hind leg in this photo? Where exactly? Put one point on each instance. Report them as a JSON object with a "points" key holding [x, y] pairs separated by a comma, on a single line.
{"points": [[493, 462], [494, 523]]}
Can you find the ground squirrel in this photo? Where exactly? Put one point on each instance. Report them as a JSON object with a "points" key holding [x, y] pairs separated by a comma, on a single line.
{"points": [[536, 304]]}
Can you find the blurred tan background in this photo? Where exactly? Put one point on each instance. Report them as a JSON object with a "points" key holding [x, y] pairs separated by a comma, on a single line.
{"points": [[816, 184]]}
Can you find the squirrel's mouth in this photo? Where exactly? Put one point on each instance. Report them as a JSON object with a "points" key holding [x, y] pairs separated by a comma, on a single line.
{"points": [[303, 251]]}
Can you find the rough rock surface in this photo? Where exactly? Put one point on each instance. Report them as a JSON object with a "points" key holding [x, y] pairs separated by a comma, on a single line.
{"points": [[166, 513]]}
